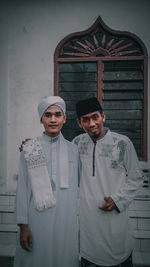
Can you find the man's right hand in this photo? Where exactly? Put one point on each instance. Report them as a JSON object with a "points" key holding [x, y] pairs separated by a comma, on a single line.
{"points": [[23, 143], [25, 237]]}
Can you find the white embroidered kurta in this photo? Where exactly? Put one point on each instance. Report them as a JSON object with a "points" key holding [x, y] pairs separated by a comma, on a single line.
{"points": [[54, 230], [108, 168]]}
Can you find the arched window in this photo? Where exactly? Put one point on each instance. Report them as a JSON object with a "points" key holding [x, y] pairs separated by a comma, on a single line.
{"points": [[111, 65]]}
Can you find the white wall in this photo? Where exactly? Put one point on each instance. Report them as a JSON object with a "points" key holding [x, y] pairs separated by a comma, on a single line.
{"points": [[3, 95], [34, 30]]}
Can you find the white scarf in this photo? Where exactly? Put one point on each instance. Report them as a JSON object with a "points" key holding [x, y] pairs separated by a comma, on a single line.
{"points": [[38, 173]]}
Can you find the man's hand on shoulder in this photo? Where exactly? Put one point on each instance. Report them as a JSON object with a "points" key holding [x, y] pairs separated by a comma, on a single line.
{"points": [[23, 143]]}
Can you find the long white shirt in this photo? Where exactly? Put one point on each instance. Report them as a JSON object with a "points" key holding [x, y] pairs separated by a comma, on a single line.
{"points": [[108, 168], [54, 230]]}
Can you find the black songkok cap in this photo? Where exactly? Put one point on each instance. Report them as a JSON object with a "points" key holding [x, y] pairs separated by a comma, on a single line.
{"points": [[88, 106]]}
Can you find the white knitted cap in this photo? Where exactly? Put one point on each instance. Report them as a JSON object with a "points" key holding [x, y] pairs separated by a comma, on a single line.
{"points": [[49, 101]]}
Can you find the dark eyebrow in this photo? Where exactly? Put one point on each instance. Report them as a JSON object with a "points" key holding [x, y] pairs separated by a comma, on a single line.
{"points": [[96, 114], [57, 113]]}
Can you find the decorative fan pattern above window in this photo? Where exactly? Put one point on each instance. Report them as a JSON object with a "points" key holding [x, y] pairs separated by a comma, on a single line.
{"points": [[101, 41], [98, 47]]}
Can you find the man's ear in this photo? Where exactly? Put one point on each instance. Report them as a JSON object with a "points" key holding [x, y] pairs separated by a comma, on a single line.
{"points": [[79, 123], [65, 117], [103, 117]]}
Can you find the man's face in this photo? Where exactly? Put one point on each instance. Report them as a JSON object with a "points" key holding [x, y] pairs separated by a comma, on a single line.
{"points": [[92, 123], [53, 120]]}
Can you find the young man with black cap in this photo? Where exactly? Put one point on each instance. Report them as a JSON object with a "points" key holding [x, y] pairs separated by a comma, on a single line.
{"points": [[110, 177]]}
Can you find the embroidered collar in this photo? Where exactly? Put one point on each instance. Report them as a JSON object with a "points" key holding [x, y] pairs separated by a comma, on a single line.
{"points": [[51, 139]]}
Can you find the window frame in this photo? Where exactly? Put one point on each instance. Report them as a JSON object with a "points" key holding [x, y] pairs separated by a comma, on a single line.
{"points": [[100, 59]]}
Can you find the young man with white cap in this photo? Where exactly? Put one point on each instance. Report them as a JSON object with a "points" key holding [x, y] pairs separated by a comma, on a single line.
{"points": [[46, 202], [109, 180]]}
